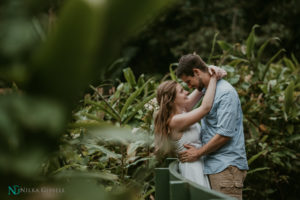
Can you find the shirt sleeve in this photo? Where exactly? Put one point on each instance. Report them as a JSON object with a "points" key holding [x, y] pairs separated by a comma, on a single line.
{"points": [[227, 114]]}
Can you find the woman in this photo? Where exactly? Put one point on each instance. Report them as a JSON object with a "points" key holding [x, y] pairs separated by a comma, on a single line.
{"points": [[175, 121]]}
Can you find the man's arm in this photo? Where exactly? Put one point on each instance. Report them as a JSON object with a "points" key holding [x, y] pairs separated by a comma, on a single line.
{"points": [[226, 118], [192, 154]]}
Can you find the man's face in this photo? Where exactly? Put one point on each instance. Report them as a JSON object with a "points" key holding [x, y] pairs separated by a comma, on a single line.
{"points": [[193, 81]]}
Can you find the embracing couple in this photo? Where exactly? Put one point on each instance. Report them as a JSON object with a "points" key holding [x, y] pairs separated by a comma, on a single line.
{"points": [[212, 155]]}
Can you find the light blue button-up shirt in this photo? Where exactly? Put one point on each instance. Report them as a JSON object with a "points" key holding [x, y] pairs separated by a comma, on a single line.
{"points": [[225, 118]]}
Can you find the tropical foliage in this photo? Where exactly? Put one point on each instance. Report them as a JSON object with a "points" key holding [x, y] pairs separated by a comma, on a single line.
{"points": [[269, 93], [101, 147], [47, 61], [123, 157], [190, 25]]}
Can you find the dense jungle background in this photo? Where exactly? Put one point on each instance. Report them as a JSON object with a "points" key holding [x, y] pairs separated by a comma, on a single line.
{"points": [[78, 81]]}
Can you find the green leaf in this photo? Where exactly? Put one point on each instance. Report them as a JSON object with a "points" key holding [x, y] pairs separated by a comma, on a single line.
{"points": [[234, 80], [236, 60], [149, 192], [65, 167], [264, 139], [138, 107], [141, 80], [253, 130], [68, 52], [213, 47], [87, 124], [137, 161], [290, 128], [269, 63], [257, 170], [251, 42], [228, 68], [107, 109], [289, 97], [122, 135], [90, 116], [132, 97], [295, 60], [38, 28], [93, 147], [224, 45], [172, 72], [289, 63], [263, 46], [263, 88], [129, 76], [294, 138], [253, 158], [88, 175], [247, 105]]}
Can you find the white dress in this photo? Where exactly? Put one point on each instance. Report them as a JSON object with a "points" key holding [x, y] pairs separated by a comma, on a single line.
{"points": [[192, 171]]}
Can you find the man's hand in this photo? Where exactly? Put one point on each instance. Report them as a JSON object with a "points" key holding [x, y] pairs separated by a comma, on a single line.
{"points": [[190, 155], [193, 154]]}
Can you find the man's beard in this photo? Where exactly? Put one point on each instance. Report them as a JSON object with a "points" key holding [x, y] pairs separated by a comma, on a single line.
{"points": [[200, 85]]}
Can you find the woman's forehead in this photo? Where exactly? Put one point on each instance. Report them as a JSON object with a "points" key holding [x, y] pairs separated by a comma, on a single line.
{"points": [[178, 86]]}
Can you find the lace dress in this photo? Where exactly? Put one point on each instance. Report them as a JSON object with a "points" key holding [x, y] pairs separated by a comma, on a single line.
{"points": [[192, 171]]}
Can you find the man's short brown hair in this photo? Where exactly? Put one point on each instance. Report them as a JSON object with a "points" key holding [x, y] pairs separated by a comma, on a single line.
{"points": [[188, 62]]}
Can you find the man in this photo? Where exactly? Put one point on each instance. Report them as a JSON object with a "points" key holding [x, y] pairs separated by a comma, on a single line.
{"points": [[222, 134]]}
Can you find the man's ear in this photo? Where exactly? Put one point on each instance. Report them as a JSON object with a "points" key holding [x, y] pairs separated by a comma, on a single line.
{"points": [[196, 71]]}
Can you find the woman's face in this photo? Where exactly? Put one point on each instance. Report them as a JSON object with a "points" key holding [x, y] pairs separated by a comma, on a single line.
{"points": [[181, 95]]}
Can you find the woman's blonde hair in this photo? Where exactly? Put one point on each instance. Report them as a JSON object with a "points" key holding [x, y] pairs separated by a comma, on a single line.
{"points": [[166, 94]]}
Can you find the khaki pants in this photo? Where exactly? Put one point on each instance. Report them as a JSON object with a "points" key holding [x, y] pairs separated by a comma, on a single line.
{"points": [[230, 181]]}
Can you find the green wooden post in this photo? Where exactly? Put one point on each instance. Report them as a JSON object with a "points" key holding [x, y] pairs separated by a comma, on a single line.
{"points": [[179, 190], [162, 184], [170, 185], [191, 191], [200, 192], [170, 160]]}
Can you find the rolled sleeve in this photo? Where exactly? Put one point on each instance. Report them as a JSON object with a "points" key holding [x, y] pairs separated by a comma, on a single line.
{"points": [[227, 115]]}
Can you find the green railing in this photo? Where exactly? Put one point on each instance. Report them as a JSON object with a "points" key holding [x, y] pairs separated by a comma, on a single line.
{"points": [[170, 185]]}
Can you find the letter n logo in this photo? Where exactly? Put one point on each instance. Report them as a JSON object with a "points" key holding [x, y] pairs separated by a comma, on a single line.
{"points": [[14, 190]]}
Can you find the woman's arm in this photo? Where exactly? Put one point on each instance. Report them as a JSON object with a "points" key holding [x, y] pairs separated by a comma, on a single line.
{"points": [[181, 121], [193, 99]]}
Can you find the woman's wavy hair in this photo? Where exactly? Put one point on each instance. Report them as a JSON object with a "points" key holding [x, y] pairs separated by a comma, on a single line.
{"points": [[166, 94]]}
